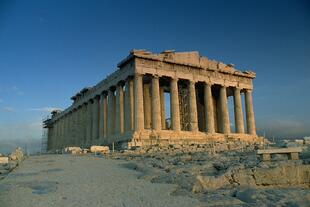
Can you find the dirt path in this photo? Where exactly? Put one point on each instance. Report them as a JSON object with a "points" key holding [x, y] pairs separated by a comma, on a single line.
{"points": [[68, 180]]}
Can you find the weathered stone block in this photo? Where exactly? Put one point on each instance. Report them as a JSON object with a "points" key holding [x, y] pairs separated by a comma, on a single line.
{"points": [[101, 149], [4, 160]]}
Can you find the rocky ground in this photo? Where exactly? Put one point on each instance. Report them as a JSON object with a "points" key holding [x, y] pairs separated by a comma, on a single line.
{"points": [[175, 175], [231, 178]]}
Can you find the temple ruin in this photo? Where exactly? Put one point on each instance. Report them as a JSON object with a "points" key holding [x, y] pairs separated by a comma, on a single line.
{"points": [[130, 106]]}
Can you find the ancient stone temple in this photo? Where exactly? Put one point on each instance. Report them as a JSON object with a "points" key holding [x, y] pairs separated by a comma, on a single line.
{"points": [[131, 105]]}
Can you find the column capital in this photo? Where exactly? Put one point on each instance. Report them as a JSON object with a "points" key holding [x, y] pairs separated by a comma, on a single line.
{"points": [[97, 97], [121, 83], [156, 76], [104, 93]]}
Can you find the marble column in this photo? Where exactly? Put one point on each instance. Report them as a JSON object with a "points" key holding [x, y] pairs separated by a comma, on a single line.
{"points": [[119, 111], [62, 132], [224, 111], [103, 117], [174, 105], [239, 123], [95, 120], [70, 140], [79, 127], [132, 103], [128, 106], [84, 123], [162, 108], [139, 110], [147, 105], [250, 119], [89, 122], [156, 113], [193, 107], [209, 110], [55, 135], [111, 112]]}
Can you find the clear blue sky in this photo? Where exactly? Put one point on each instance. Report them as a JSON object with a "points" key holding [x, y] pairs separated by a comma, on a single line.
{"points": [[51, 49]]}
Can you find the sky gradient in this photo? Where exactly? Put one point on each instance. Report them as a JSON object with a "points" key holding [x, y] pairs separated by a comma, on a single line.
{"points": [[49, 50]]}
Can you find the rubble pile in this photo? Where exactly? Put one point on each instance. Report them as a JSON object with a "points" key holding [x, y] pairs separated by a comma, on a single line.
{"points": [[9, 163]]}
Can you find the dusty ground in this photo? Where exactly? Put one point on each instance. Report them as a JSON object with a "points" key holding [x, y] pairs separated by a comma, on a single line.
{"points": [[68, 180]]}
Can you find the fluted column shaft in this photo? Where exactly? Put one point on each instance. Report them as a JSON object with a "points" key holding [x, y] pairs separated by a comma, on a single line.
{"points": [[209, 111], [162, 108], [89, 123], [250, 119], [239, 123], [224, 111], [84, 123], [111, 112], [103, 117], [79, 126], [147, 106], [139, 110], [119, 119], [95, 119], [174, 105], [193, 107], [156, 113], [128, 106]]}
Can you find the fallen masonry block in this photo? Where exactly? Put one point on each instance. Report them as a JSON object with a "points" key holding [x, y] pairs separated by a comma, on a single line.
{"points": [[4, 160], [17, 155], [101, 149], [73, 150]]}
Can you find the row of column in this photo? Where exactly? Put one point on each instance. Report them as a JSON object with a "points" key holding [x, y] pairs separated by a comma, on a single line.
{"points": [[209, 108], [118, 111]]}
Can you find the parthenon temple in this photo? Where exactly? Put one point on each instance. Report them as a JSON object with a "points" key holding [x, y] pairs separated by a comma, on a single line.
{"points": [[171, 97]]}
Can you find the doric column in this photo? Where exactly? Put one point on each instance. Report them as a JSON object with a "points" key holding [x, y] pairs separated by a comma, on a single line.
{"points": [[147, 105], [209, 111], [119, 120], [139, 111], [162, 108], [156, 113], [84, 124], [79, 126], [193, 107], [111, 112], [224, 111], [250, 119], [132, 103], [63, 138], [95, 119], [103, 116], [71, 140], [128, 106], [54, 141], [174, 105], [239, 123], [89, 122]]}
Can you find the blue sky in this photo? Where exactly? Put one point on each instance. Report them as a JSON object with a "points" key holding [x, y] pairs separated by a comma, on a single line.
{"points": [[51, 49]]}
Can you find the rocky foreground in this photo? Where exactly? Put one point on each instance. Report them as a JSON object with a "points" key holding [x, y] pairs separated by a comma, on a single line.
{"points": [[229, 178], [175, 175]]}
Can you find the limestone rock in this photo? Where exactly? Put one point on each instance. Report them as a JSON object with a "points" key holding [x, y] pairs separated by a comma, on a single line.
{"points": [[4, 160], [17, 155], [283, 175], [206, 183], [73, 150], [101, 149]]}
